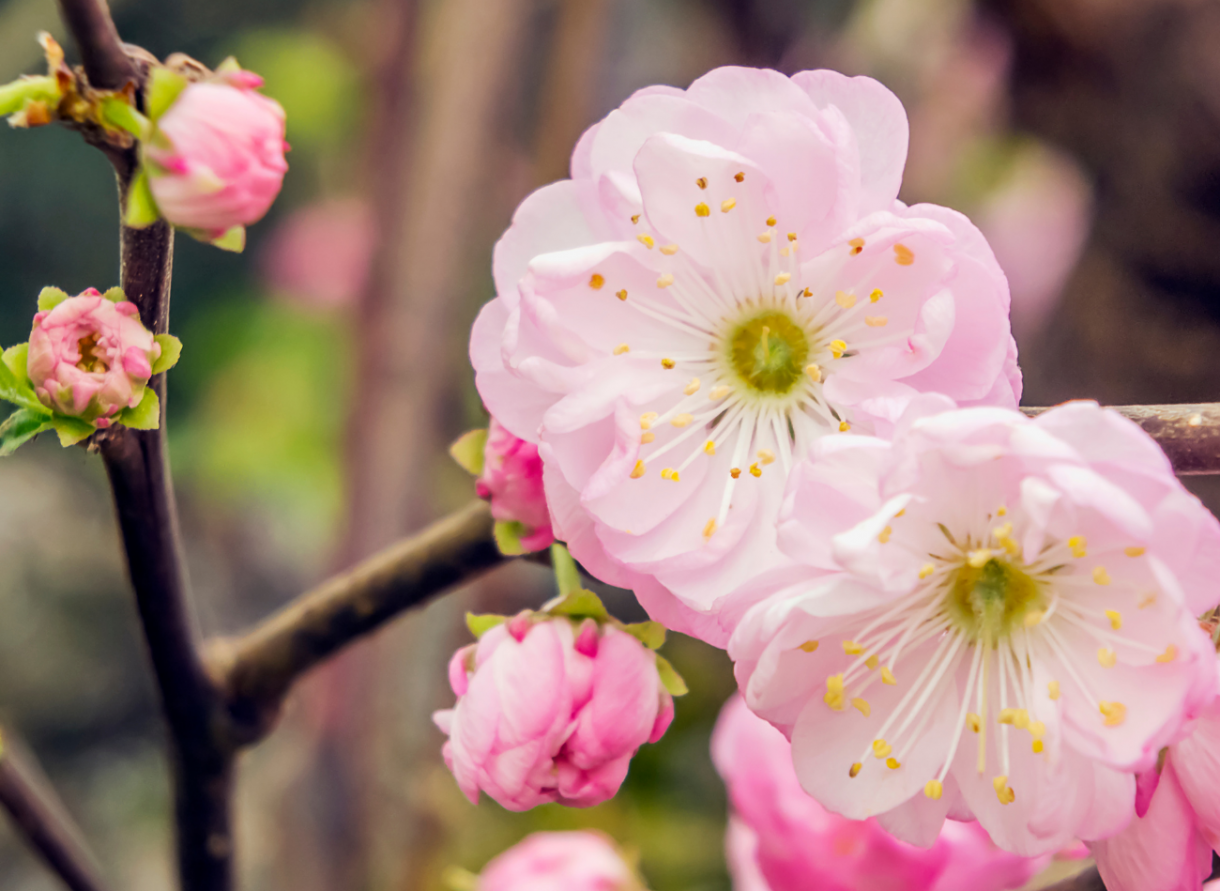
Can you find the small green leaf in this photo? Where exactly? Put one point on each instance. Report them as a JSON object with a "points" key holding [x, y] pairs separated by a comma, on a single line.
{"points": [[670, 678], [567, 575], [650, 634], [229, 66], [71, 430], [15, 383], [233, 241], [115, 295], [481, 624], [145, 416], [122, 116], [49, 298], [467, 451], [164, 86], [171, 349], [508, 537], [141, 206], [20, 427], [579, 604]]}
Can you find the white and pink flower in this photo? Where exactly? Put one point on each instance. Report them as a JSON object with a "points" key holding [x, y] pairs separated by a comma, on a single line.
{"points": [[990, 616], [560, 861], [727, 278]]}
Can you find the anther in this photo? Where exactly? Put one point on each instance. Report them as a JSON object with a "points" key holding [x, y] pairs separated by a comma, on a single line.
{"points": [[669, 474], [669, 249], [1002, 790], [709, 447], [621, 295], [815, 373], [844, 299], [783, 278], [701, 182], [639, 470], [903, 255], [855, 770], [844, 426], [934, 789], [739, 176], [1100, 575], [710, 528], [1106, 657], [863, 706], [884, 535], [834, 692], [719, 392], [785, 252], [881, 748], [974, 722], [1037, 746], [1134, 552], [646, 438], [1114, 713], [1171, 653], [665, 280], [681, 420], [857, 245], [702, 210], [887, 676], [645, 240], [770, 221], [978, 559], [727, 204], [621, 348], [876, 321], [667, 363], [1052, 689], [692, 388], [765, 237], [892, 763], [765, 457], [735, 472], [1115, 617], [872, 662], [876, 295], [851, 648], [1034, 617], [596, 281], [755, 470], [635, 219], [647, 418], [809, 646], [808, 292], [1078, 545], [838, 348], [926, 570]]}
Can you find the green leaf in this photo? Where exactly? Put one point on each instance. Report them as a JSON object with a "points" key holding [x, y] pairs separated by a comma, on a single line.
{"points": [[567, 575], [171, 349], [650, 634], [164, 86], [481, 624], [234, 240], [670, 678], [115, 295], [49, 298], [467, 451], [71, 430], [145, 416], [15, 383], [123, 116], [20, 427], [508, 537], [579, 604], [142, 208]]}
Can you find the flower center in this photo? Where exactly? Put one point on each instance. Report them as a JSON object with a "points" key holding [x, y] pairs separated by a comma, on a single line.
{"points": [[991, 601], [768, 352], [90, 358]]}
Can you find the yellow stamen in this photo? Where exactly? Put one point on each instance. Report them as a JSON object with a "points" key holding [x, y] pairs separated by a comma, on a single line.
{"points": [[770, 221], [621, 348], [665, 280], [647, 418], [673, 475], [719, 392], [765, 457], [881, 748], [1113, 712], [851, 648], [702, 210], [838, 348], [1052, 689], [1037, 746], [1077, 545], [1106, 657], [872, 662], [1034, 617], [739, 176], [857, 245], [681, 420], [1001, 510], [876, 295], [815, 373], [710, 528], [978, 559], [876, 321], [892, 763], [1134, 551], [621, 295], [692, 388], [755, 470], [783, 278], [1171, 653], [884, 535], [844, 299], [709, 447], [887, 676], [844, 426], [667, 363], [764, 237], [597, 281], [635, 219], [701, 182], [834, 692], [855, 770], [1115, 617], [1100, 575], [792, 236], [974, 722], [669, 249], [809, 646], [934, 789], [1002, 790], [639, 470], [926, 570], [903, 255], [727, 204], [808, 292], [645, 240], [863, 706], [648, 437], [735, 472]]}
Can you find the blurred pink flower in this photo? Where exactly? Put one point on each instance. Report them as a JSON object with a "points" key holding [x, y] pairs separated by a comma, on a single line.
{"points": [[320, 255], [224, 161], [512, 481], [781, 839], [1168, 845], [90, 357], [547, 712], [559, 861], [1031, 579], [727, 278]]}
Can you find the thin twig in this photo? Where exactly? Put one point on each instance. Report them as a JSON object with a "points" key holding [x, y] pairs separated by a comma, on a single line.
{"points": [[260, 667], [102, 54], [40, 817]]}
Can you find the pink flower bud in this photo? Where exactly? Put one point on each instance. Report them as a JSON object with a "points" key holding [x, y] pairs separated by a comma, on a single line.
{"points": [[91, 358], [218, 156], [538, 719], [512, 480], [559, 861]]}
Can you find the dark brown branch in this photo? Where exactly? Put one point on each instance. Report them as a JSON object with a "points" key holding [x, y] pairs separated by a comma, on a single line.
{"points": [[1088, 880], [1189, 433], [43, 821], [105, 61], [259, 668]]}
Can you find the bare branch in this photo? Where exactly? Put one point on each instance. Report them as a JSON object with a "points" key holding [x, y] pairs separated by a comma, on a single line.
{"points": [[1088, 880], [40, 817], [260, 667], [102, 54]]}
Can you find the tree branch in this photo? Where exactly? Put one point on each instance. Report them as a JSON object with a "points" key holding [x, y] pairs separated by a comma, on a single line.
{"points": [[260, 667], [105, 61], [1088, 880], [43, 821]]}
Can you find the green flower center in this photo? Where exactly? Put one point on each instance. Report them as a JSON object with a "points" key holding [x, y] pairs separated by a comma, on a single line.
{"points": [[768, 352], [992, 601]]}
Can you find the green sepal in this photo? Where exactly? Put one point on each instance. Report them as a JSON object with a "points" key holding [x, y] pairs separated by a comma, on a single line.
{"points": [[229, 66], [481, 624], [164, 86], [115, 295], [145, 416], [467, 451], [20, 427], [15, 383], [171, 349], [142, 210], [49, 298], [567, 576], [650, 634], [233, 241], [40, 88], [579, 604], [71, 430], [508, 537], [670, 678], [122, 115]]}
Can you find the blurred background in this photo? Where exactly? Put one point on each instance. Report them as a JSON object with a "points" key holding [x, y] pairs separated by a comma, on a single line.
{"points": [[325, 369]]}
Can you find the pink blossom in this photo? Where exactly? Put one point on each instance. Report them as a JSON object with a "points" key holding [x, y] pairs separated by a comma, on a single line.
{"points": [[560, 861], [781, 839], [727, 278], [1168, 845], [547, 712], [512, 481], [320, 255], [91, 358], [993, 616], [218, 156]]}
